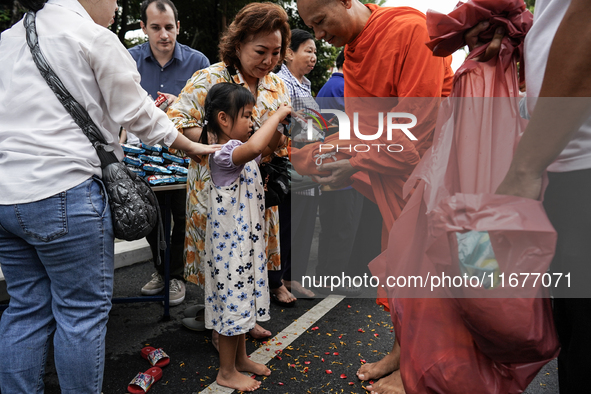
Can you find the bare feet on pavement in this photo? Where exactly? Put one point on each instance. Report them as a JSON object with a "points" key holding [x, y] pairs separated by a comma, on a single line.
{"points": [[391, 384], [283, 295], [296, 287], [252, 367], [237, 381], [379, 369], [259, 332]]}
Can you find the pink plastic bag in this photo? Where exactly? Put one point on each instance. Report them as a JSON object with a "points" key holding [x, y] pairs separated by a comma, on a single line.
{"points": [[471, 345], [508, 323]]}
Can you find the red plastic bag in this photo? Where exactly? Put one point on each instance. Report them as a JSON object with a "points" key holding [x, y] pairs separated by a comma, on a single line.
{"points": [[482, 344], [508, 323], [439, 354]]}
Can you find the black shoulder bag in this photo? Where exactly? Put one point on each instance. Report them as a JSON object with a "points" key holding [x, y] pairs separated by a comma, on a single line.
{"points": [[134, 207]]}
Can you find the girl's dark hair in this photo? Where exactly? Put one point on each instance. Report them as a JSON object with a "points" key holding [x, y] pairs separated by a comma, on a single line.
{"points": [[33, 5], [230, 98], [341, 59], [298, 37]]}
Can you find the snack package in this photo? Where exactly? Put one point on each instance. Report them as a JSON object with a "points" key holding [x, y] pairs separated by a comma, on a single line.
{"points": [[155, 169], [161, 102], [180, 179], [168, 158], [131, 150], [152, 148], [152, 159], [158, 180], [177, 169], [132, 161]]}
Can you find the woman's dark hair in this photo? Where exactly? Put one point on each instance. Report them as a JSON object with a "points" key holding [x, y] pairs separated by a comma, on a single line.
{"points": [[230, 98], [33, 5], [341, 59], [254, 19], [298, 37]]}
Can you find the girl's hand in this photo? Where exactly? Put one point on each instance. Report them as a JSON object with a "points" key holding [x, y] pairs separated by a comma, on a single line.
{"points": [[283, 111], [196, 149]]}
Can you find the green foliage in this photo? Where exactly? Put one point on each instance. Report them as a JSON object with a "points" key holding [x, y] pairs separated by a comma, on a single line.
{"points": [[202, 23], [326, 54], [530, 4], [378, 2], [131, 42], [6, 16]]}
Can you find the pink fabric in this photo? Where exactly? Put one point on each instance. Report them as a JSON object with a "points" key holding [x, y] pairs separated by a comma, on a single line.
{"points": [[447, 31], [471, 345]]}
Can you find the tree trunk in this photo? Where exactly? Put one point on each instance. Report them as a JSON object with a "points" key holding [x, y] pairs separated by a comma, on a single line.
{"points": [[224, 15], [16, 13], [123, 26]]}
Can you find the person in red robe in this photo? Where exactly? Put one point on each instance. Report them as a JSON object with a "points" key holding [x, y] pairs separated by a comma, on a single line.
{"points": [[386, 57]]}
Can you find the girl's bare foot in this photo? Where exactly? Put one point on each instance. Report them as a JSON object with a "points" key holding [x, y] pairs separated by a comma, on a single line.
{"points": [[259, 332], [237, 381], [296, 288], [246, 365], [377, 370], [391, 384]]}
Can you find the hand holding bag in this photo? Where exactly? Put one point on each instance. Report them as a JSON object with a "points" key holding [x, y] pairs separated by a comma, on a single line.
{"points": [[134, 206]]}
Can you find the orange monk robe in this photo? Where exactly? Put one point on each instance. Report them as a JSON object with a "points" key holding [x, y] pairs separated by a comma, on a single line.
{"points": [[389, 58]]}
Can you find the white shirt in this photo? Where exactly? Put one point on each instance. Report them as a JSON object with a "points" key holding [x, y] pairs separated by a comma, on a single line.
{"points": [[42, 150], [547, 18]]}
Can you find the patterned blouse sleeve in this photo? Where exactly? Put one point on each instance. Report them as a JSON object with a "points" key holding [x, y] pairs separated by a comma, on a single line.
{"points": [[188, 110]]}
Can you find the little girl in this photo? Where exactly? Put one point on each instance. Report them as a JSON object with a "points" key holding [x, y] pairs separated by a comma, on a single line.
{"points": [[236, 288]]}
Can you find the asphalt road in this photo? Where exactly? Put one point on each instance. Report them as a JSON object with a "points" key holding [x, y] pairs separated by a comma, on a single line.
{"points": [[353, 330]]}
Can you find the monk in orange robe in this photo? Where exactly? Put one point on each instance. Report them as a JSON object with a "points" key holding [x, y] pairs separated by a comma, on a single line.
{"points": [[385, 56]]}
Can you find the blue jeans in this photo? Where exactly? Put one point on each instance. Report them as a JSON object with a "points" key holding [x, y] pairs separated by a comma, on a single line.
{"points": [[57, 258]]}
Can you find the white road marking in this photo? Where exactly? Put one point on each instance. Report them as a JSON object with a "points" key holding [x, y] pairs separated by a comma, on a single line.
{"points": [[266, 353]]}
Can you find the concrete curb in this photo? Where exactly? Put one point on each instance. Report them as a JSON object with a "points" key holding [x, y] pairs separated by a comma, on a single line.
{"points": [[126, 253]]}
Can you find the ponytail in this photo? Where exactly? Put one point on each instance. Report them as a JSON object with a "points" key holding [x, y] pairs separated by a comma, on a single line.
{"points": [[203, 137]]}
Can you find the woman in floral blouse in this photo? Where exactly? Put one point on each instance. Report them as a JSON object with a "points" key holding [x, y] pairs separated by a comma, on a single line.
{"points": [[251, 47]]}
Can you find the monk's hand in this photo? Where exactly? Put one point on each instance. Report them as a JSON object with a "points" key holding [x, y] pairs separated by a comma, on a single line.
{"points": [[341, 172], [527, 184], [473, 41]]}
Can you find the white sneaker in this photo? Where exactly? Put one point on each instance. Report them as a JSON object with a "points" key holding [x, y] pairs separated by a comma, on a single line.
{"points": [[154, 286], [177, 292]]}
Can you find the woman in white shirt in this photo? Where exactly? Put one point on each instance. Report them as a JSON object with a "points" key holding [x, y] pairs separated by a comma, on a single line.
{"points": [[56, 237]]}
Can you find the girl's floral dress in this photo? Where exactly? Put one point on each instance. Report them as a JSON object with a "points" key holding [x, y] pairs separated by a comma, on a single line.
{"points": [[236, 284], [188, 111]]}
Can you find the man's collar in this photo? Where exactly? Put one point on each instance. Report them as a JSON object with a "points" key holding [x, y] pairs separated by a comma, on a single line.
{"points": [[147, 52], [178, 53]]}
